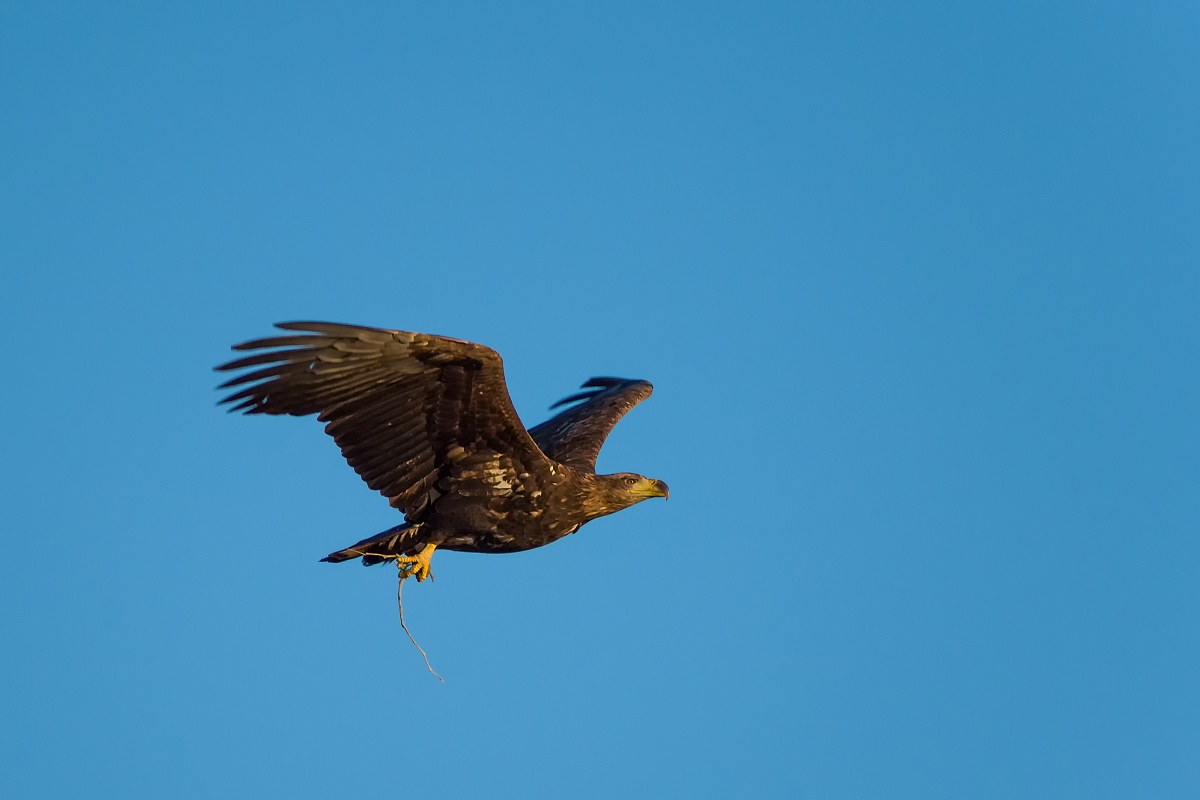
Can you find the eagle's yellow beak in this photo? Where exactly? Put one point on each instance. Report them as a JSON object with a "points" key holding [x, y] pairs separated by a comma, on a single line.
{"points": [[652, 488]]}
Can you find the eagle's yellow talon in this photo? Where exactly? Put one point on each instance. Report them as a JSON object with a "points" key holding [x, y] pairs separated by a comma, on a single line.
{"points": [[416, 566]]}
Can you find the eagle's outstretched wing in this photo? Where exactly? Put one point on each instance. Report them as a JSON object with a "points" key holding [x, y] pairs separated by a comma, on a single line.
{"points": [[575, 436], [407, 409]]}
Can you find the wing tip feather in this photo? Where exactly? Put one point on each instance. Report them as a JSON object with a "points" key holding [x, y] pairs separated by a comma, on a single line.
{"points": [[594, 387]]}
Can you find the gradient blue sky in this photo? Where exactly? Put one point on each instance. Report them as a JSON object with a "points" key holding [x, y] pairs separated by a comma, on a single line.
{"points": [[917, 285]]}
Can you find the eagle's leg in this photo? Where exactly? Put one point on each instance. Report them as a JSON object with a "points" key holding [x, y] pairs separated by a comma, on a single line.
{"points": [[416, 566]]}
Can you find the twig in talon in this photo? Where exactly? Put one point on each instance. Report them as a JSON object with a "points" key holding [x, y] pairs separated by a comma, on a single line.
{"points": [[400, 605]]}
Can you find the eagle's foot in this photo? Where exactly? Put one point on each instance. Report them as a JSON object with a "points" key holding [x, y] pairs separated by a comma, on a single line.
{"points": [[416, 566]]}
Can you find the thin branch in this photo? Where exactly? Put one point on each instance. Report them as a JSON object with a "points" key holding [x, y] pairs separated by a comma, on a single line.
{"points": [[384, 556], [404, 574], [400, 605]]}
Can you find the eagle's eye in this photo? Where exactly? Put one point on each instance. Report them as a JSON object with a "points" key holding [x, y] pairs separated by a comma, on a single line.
{"points": [[631, 481]]}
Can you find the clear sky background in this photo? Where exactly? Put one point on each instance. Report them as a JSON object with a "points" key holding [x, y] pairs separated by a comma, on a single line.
{"points": [[917, 285]]}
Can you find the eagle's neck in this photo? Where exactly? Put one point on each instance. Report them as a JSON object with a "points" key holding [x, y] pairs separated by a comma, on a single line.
{"points": [[597, 495]]}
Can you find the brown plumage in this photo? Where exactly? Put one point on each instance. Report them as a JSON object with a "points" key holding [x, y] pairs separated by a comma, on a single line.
{"points": [[427, 422]]}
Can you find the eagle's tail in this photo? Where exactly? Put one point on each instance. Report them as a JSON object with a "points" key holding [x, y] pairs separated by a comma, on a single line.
{"points": [[397, 541]]}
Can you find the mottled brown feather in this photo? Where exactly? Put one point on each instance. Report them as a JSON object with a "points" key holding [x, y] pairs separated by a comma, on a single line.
{"points": [[575, 436], [395, 402]]}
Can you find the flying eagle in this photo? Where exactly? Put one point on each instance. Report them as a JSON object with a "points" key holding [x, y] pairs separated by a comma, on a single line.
{"points": [[427, 422]]}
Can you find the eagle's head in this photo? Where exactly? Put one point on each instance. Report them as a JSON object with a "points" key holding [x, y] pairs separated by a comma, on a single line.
{"points": [[611, 493]]}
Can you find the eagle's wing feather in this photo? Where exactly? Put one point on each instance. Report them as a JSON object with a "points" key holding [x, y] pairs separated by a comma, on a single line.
{"points": [[405, 408], [575, 436]]}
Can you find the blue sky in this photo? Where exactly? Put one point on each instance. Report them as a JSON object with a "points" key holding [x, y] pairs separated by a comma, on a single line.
{"points": [[917, 287]]}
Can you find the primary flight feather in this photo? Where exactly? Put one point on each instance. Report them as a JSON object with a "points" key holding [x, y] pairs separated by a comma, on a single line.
{"points": [[427, 421]]}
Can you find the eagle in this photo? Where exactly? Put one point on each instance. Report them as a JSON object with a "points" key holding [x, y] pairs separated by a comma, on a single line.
{"points": [[427, 422]]}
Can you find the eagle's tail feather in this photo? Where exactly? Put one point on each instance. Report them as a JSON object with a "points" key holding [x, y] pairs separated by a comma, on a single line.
{"points": [[397, 541]]}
